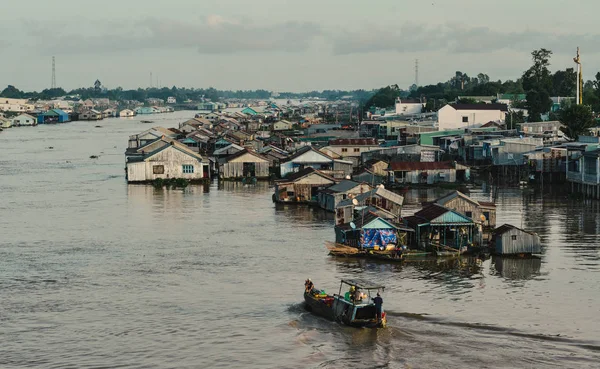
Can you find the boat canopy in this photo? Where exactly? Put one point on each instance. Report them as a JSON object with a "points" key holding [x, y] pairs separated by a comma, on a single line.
{"points": [[363, 284]]}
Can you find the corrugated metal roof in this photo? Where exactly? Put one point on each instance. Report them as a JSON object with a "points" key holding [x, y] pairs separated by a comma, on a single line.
{"points": [[501, 107], [435, 213], [343, 186], [354, 142], [406, 166], [295, 176]]}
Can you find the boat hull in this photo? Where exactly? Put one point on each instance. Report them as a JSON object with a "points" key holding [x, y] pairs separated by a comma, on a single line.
{"points": [[337, 309]]}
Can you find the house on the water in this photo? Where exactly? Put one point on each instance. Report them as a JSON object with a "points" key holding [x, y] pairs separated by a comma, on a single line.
{"points": [[302, 186], [351, 148], [510, 240], [146, 110], [481, 212], [24, 120], [372, 232], [109, 113], [244, 164], [90, 115], [308, 157], [53, 116], [379, 198], [150, 135], [427, 172], [439, 227], [583, 169], [165, 159], [126, 113], [330, 197]]}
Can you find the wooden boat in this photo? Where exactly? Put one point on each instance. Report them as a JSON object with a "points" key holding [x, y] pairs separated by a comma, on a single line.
{"points": [[345, 310], [146, 121], [337, 249]]}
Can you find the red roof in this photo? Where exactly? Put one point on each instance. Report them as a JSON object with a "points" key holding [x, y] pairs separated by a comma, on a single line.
{"points": [[354, 142], [407, 166]]}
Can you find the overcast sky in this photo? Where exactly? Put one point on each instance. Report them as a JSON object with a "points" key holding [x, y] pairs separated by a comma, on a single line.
{"points": [[285, 45]]}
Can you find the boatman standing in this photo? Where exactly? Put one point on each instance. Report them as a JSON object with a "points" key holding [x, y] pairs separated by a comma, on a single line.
{"points": [[308, 285], [378, 306]]}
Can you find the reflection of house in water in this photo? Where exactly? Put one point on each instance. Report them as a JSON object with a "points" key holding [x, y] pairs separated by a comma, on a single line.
{"points": [[517, 268]]}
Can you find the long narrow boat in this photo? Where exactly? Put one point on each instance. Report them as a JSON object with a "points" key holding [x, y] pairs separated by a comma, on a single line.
{"points": [[345, 309]]}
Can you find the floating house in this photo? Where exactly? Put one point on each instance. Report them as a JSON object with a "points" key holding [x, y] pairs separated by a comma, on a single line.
{"points": [[109, 113], [243, 164], [24, 120], [373, 232], [302, 187], [330, 197], [53, 116], [146, 110], [307, 156], [436, 225], [90, 115], [510, 240], [481, 212], [583, 172], [126, 113], [149, 136], [427, 172], [379, 198], [369, 177], [5, 123], [166, 159]]}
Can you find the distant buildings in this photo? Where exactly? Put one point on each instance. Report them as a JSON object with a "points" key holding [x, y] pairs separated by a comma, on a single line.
{"points": [[408, 106], [453, 116]]}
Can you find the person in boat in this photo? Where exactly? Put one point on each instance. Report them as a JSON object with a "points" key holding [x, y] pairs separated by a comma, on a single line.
{"points": [[308, 285], [378, 306], [358, 295], [349, 296]]}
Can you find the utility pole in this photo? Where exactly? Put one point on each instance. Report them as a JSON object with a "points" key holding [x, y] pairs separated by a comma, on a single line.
{"points": [[417, 72], [579, 92], [53, 85]]}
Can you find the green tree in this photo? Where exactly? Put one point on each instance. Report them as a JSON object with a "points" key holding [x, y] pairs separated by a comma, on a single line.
{"points": [[384, 98], [564, 82], [513, 118], [537, 82], [576, 120], [12, 92]]}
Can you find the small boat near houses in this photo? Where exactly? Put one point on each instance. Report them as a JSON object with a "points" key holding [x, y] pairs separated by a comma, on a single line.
{"points": [[355, 308]]}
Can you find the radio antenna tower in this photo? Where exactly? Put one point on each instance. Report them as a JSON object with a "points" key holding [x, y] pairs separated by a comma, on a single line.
{"points": [[53, 73], [417, 72]]}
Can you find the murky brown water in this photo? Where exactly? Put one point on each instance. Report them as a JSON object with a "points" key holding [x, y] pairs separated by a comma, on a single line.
{"points": [[96, 273]]}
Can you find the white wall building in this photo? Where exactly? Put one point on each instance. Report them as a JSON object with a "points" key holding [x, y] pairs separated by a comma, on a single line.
{"points": [[15, 105], [24, 120], [458, 116], [408, 106], [171, 100]]}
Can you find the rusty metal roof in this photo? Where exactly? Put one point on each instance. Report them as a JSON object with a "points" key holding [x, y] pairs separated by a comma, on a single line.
{"points": [[406, 166]]}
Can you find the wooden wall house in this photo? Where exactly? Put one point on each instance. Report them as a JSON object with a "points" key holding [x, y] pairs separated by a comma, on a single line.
{"points": [[330, 197], [510, 240], [244, 164], [481, 212], [437, 225], [172, 160], [301, 187]]}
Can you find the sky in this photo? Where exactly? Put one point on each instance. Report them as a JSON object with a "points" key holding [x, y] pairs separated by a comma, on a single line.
{"points": [[282, 45]]}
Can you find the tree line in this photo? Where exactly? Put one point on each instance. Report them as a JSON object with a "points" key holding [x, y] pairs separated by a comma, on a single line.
{"points": [[181, 94]]}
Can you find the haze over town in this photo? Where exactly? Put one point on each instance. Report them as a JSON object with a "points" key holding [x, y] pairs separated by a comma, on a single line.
{"points": [[286, 45]]}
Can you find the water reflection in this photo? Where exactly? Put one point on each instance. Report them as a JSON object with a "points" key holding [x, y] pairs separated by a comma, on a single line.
{"points": [[516, 268], [236, 186]]}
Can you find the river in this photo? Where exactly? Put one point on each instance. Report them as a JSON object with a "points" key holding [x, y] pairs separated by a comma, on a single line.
{"points": [[98, 274]]}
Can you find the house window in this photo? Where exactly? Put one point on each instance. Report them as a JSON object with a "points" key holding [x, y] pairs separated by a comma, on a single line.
{"points": [[513, 237], [469, 214], [344, 150], [188, 169], [158, 169], [465, 119], [356, 149]]}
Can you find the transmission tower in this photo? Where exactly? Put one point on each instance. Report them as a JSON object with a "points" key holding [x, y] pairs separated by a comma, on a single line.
{"points": [[417, 72], [53, 73]]}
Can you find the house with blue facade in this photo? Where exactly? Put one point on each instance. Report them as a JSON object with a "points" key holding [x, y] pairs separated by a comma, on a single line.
{"points": [[439, 228], [146, 110], [53, 116], [372, 232]]}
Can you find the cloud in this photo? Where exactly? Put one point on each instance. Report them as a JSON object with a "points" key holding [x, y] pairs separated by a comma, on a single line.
{"points": [[455, 38], [213, 35]]}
